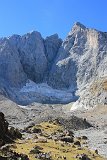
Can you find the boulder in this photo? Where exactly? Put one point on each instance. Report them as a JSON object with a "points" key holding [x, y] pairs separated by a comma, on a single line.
{"points": [[15, 133], [3, 130], [36, 130], [67, 139], [41, 140], [83, 157], [7, 135], [44, 156], [77, 143]]}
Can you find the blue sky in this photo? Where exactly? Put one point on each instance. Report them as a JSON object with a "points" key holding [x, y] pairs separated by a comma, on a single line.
{"points": [[50, 16]]}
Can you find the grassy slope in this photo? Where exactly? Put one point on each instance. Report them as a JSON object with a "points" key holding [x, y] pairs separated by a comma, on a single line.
{"points": [[57, 149]]}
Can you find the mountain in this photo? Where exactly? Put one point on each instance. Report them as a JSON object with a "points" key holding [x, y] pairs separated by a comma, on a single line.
{"points": [[54, 71], [81, 63]]}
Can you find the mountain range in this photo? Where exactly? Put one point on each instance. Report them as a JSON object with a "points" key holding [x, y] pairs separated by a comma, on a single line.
{"points": [[34, 69]]}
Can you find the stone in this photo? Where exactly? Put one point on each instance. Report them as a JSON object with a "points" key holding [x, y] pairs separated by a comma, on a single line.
{"points": [[35, 151], [3, 158], [83, 157], [44, 156], [67, 139], [36, 130], [15, 133], [96, 151], [84, 137], [41, 140], [77, 143]]}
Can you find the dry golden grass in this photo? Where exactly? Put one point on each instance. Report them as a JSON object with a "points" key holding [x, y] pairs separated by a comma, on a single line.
{"points": [[57, 149]]}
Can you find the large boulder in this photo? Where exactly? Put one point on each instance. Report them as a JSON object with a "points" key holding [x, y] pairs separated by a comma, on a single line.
{"points": [[3, 130], [7, 135], [3, 125]]}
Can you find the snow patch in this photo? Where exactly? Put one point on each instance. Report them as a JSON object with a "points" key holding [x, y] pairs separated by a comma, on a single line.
{"points": [[44, 90]]}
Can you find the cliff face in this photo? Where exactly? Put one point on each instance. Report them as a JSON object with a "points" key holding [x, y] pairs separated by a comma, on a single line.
{"points": [[11, 70], [71, 68], [81, 62], [81, 58]]}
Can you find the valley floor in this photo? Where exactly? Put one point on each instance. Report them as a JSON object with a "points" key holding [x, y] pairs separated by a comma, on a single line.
{"points": [[20, 116], [47, 144]]}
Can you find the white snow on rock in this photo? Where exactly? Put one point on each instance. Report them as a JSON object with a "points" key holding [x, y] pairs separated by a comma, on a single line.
{"points": [[44, 90]]}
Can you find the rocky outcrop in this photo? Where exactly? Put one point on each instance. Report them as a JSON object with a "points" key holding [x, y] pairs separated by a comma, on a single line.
{"points": [[7, 135], [3, 129]]}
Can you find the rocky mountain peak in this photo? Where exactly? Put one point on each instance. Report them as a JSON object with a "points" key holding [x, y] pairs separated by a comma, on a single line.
{"points": [[77, 27], [78, 24], [54, 36]]}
